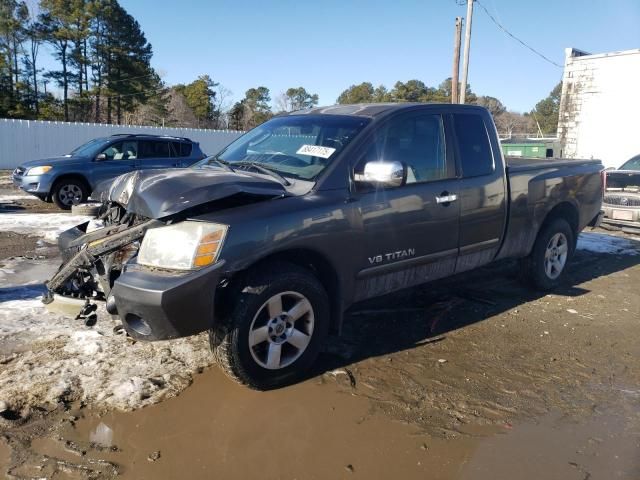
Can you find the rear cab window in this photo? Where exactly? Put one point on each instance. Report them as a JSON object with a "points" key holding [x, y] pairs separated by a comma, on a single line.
{"points": [[474, 150]]}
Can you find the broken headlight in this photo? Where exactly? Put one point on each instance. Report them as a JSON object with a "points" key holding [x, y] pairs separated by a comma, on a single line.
{"points": [[183, 246]]}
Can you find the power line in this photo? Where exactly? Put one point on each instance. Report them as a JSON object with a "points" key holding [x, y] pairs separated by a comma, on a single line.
{"points": [[516, 38], [148, 93], [132, 78]]}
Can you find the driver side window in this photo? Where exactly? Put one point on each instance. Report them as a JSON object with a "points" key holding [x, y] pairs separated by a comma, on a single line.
{"points": [[121, 151], [113, 151], [417, 141]]}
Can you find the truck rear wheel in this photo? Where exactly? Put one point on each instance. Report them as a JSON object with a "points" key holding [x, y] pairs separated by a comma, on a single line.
{"points": [[545, 266], [275, 328]]}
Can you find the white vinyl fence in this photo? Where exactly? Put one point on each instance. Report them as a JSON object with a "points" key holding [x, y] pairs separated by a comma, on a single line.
{"points": [[22, 140]]}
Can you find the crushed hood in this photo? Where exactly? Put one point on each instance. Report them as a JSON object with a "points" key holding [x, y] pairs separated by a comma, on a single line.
{"points": [[162, 193]]}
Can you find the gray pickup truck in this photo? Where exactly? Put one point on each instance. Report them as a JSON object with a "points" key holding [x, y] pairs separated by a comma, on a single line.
{"points": [[266, 244]]}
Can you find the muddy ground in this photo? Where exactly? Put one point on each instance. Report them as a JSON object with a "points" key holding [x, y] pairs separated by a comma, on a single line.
{"points": [[477, 377]]}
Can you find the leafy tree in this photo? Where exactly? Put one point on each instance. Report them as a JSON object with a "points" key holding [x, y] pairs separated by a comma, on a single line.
{"points": [[443, 93], [252, 110], [299, 98], [362, 93], [102, 53], [35, 35], [12, 17], [547, 111], [51, 108], [381, 95], [411, 91], [128, 73], [58, 20], [200, 97], [236, 116], [6, 88]]}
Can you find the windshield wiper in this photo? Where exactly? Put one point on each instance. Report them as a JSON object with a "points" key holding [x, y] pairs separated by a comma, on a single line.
{"points": [[267, 171], [220, 163]]}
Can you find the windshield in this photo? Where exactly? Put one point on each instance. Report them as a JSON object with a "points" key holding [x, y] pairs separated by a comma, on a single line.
{"points": [[633, 164], [298, 146], [90, 147]]}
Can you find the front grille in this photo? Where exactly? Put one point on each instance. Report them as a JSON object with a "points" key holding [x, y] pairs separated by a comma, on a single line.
{"points": [[19, 171], [622, 200]]}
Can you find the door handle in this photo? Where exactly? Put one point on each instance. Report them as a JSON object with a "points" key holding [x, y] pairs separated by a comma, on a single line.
{"points": [[446, 197]]}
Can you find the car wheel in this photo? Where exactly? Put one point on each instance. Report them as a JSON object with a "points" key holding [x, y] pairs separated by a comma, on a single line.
{"points": [[67, 193], [275, 329], [545, 266], [89, 209]]}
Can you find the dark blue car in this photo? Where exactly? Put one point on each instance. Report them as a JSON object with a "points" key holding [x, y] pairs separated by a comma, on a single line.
{"points": [[69, 180]]}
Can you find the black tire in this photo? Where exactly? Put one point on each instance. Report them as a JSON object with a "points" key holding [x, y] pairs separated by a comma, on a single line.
{"points": [[533, 267], [68, 192], [90, 209], [230, 338]]}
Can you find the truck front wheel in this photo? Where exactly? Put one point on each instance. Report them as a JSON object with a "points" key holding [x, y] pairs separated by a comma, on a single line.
{"points": [[546, 264], [274, 331]]}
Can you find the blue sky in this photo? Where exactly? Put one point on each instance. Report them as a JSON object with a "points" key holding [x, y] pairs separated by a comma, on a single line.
{"points": [[327, 45]]}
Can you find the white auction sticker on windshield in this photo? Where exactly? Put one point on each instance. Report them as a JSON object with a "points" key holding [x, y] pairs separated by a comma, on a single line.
{"points": [[316, 151]]}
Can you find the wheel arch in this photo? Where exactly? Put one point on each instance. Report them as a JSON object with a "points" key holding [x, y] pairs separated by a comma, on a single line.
{"points": [[567, 211], [309, 259], [70, 176]]}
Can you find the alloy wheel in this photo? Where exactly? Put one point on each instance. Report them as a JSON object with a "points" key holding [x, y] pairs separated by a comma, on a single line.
{"points": [[281, 330]]}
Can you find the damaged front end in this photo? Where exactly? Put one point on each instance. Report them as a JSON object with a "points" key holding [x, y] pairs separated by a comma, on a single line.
{"points": [[96, 253], [94, 259]]}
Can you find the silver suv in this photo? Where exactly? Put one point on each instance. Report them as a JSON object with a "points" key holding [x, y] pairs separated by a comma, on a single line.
{"points": [[69, 180]]}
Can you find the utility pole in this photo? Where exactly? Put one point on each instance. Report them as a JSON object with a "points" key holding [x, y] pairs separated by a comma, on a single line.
{"points": [[467, 47], [455, 81]]}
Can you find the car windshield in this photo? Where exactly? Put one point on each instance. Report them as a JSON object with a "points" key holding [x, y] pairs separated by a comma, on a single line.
{"points": [[297, 146], [90, 147], [633, 164]]}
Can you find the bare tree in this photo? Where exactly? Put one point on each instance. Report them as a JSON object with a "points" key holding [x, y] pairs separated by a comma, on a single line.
{"points": [[281, 103], [222, 103], [514, 123], [180, 114]]}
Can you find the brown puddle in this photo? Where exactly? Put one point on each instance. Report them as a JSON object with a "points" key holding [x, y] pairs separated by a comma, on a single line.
{"points": [[222, 430], [555, 448], [217, 429]]}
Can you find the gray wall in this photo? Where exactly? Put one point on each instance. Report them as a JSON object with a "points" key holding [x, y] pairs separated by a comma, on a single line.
{"points": [[22, 140]]}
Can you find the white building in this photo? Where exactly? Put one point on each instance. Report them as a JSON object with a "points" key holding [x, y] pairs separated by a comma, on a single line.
{"points": [[600, 106]]}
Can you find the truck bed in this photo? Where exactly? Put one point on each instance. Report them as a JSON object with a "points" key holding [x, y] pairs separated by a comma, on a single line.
{"points": [[538, 184], [523, 164]]}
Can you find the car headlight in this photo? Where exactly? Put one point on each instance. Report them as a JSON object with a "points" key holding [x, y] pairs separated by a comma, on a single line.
{"points": [[183, 246], [39, 170]]}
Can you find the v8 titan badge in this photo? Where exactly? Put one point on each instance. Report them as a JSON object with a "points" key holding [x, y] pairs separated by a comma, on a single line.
{"points": [[316, 151]]}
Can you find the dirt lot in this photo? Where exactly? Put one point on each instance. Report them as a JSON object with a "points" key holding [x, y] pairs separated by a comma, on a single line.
{"points": [[475, 378]]}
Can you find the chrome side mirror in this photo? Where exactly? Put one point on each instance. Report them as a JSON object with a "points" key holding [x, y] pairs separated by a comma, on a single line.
{"points": [[384, 174], [100, 157]]}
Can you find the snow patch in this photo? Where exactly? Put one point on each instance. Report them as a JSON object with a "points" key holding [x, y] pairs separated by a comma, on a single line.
{"points": [[46, 358], [604, 243], [45, 225]]}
